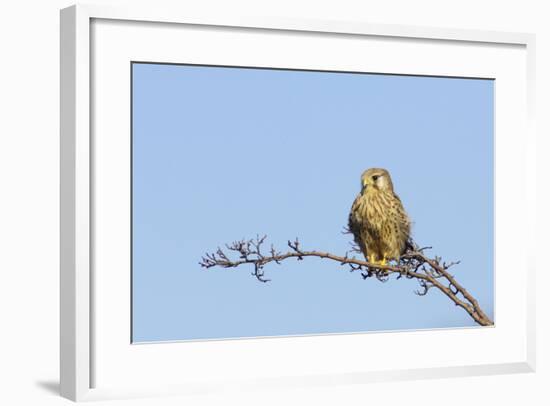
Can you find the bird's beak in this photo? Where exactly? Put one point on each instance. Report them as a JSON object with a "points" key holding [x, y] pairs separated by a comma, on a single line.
{"points": [[363, 188]]}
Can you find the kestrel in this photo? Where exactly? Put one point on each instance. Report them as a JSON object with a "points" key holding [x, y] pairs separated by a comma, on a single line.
{"points": [[377, 220]]}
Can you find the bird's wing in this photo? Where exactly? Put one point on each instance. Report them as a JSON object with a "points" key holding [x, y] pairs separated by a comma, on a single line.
{"points": [[354, 225], [405, 225], [403, 217]]}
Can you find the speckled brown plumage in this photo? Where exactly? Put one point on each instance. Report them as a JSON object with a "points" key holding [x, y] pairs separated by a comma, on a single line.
{"points": [[377, 220]]}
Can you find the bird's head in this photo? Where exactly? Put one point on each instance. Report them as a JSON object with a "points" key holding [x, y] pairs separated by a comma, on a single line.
{"points": [[376, 179]]}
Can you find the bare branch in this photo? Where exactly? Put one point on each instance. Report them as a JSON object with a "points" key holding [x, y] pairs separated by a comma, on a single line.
{"points": [[430, 272]]}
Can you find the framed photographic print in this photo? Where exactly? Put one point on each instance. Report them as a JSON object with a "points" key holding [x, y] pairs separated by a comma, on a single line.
{"points": [[271, 202]]}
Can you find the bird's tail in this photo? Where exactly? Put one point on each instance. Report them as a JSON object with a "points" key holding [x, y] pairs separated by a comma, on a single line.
{"points": [[410, 245]]}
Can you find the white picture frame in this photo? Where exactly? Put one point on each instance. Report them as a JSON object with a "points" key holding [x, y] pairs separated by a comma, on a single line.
{"points": [[79, 351]]}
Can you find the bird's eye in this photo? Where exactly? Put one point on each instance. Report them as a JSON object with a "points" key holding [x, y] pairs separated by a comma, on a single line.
{"points": [[375, 177]]}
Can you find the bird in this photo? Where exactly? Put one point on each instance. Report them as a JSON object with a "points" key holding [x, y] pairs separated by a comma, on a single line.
{"points": [[378, 221]]}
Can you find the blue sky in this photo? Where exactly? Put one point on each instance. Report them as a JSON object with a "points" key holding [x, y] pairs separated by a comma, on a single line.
{"points": [[221, 154]]}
